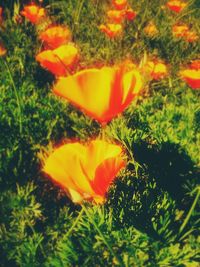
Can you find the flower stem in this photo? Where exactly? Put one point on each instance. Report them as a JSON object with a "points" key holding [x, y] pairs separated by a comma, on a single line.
{"points": [[103, 132], [77, 15], [102, 236], [16, 96], [75, 222], [191, 210]]}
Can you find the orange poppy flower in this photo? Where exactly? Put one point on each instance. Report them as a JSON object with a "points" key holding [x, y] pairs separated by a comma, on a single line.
{"points": [[176, 5], [190, 36], [58, 60], [116, 16], [111, 30], [85, 172], [150, 29], [130, 14], [191, 77], [33, 13], [195, 64], [184, 32], [55, 36], [101, 93], [180, 30], [119, 4], [3, 50], [157, 69]]}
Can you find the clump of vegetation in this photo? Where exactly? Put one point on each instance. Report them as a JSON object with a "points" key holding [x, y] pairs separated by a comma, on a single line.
{"points": [[151, 213]]}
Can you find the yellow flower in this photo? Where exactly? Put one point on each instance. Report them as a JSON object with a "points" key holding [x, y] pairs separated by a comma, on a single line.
{"points": [[55, 36], [191, 36], [119, 4], [176, 5], [191, 77], [111, 30], [33, 13], [195, 64], [180, 30], [151, 29], [85, 171], [116, 16], [101, 93], [157, 69], [58, 60]]}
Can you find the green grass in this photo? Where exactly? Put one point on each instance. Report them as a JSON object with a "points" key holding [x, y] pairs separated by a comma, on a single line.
{"points": [[151, 217]]}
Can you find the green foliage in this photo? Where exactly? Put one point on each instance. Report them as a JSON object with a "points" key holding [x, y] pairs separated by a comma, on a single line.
{"points": [[151, 217]]}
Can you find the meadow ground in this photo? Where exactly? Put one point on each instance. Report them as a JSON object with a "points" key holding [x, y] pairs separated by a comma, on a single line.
{"points": [[151, 213]]}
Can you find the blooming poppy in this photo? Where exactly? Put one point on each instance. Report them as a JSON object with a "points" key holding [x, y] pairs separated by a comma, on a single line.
{"points": [[190, 36], [150, 29], [157, 69], [130, 14], [176, 5], [33, 13], [85, 171], [195, 64], [119, 4], [111, 30], [191, 77], [58, 60], [183, 31], [100, 93], [179, 30], [3, 50], [55, 36], [116, 16]]}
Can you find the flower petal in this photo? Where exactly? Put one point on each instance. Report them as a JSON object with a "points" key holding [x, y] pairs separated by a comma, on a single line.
{"points": [[101, 93], [64, 165], [105, 173], [51, 62]]}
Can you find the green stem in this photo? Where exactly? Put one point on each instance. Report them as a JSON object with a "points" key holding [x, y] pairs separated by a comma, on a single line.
{"points": [[102, 236], [132, 159], [77, 16], [75, 222], [190, 211], [16, 96], [103, 132]]}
